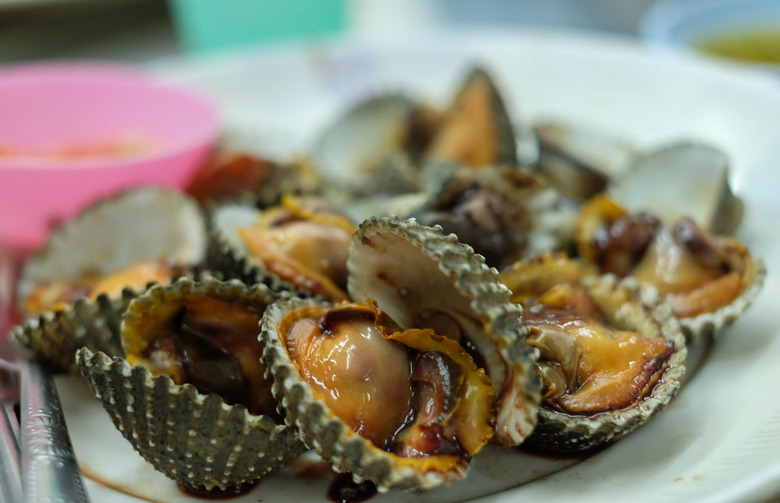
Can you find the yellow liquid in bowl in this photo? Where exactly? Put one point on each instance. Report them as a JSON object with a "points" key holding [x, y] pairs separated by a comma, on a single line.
{"points": [[754, 45]]}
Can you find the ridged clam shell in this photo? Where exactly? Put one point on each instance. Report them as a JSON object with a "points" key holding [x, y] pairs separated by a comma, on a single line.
{"points": [[228, 254], [320, 429], [54, 337], [114, 233], [710, 324], [414, 271], [628, 307], [737, 257], [195, 439]]}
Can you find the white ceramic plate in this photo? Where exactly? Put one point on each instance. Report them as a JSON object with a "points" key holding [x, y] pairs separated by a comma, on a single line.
{"points": [[720, 438]]}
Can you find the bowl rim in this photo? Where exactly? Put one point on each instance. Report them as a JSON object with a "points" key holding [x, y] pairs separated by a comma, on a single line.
{"points": [[204, 134], [661, 22]]}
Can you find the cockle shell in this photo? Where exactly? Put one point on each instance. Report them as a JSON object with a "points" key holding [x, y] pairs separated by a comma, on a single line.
{"points": [[196, 439], [112, 234], [425, 279]]}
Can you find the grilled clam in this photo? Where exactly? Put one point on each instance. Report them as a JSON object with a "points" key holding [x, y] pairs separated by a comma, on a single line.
{"points": [[578, 161], [708, 280], [431, 333], [701, 188], [300, 245], [375, 147], [477, 130], [191, 396], [237, 175], [611, 357], [92, 266], [503, 213], [400, 408], [423, 278]]}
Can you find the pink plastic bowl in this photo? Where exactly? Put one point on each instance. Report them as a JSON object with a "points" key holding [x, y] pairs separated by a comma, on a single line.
{"points": [[47, 112]]}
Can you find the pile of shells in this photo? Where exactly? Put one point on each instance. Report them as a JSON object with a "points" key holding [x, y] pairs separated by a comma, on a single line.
{"points": [[218, 326]]}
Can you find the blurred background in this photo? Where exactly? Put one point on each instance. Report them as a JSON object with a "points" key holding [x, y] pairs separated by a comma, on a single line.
{"points": [[142, 30]]}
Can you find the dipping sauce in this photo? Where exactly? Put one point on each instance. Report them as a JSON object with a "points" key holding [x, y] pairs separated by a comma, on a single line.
{"points": [[129, 146], [758, 45]]}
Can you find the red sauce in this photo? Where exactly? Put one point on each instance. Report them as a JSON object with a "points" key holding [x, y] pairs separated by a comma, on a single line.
{"points": [[344, 490], [97, 149]]}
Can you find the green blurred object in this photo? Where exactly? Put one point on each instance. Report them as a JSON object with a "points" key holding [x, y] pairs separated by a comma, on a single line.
{"points": [[204, 25]]}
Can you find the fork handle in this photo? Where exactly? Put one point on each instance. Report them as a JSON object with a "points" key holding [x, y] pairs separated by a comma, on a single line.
{"points": [[50, 473]]}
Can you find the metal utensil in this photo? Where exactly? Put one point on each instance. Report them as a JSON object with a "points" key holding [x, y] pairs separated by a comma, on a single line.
{"points": [[50, 472], [10, 479]]}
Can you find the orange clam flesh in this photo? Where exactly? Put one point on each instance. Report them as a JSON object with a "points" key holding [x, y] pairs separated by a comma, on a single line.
{"points": [[696, 272], [207, 341], [304, 244], [57, 295], [587, 365], [414, 394], [476, 131]]}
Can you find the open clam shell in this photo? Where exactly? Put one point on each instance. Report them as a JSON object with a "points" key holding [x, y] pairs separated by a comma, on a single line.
{"points": [[423, 278], [194, 438], [578, 161], [372, 148], [106, 240], [503, 213], [752, 271], [299, 246], [709, 280], [682, 179], [626, 308], [358, 408], [197, 440], [477, 129], [228, 254], [140, 225], [55, 336]]}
